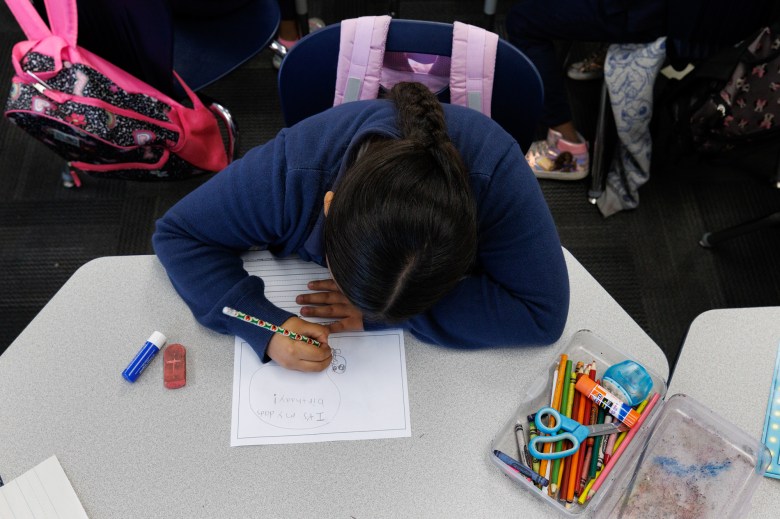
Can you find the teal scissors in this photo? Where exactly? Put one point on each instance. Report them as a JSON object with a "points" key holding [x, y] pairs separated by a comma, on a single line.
{"points": [[573, 431]]}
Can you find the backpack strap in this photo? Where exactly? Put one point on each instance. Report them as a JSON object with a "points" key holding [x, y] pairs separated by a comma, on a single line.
{"points": [[63, 19], [473, 67], [28, 19], [361, 51]]}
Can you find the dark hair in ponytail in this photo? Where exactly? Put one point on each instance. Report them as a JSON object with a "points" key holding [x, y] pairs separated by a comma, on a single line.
{"points": [[401, 230]]}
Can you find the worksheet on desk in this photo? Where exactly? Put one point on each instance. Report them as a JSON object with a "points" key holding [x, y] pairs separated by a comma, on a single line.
{"points": [[362, 395]]}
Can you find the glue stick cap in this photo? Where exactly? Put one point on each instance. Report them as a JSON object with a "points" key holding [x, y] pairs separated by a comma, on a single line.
{"points": [[629, 381], [586, 385], [158, 339], [151, 347]]}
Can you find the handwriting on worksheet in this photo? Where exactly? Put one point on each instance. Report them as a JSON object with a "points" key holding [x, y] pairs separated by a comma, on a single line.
{"points": [[363, 395], [277, 402]]}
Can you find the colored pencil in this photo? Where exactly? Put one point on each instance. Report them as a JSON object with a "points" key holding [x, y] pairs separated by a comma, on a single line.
{"points": [[588, 484], [555, 404], [232, 312], [610, 446], [555, 483], [604, 439], [543, 466], [566, 468], [585, 407], [574, 475], [584, 494], [619, 452], [563, 477], [533, 432], [585, 472], [622, 436], [594, 458]]}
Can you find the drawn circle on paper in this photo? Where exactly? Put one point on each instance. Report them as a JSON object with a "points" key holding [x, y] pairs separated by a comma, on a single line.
{"points": [[292, 399]]}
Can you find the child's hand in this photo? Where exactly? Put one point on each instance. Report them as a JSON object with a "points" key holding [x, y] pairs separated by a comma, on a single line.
{"points": [[332, 304], [299, 355]]}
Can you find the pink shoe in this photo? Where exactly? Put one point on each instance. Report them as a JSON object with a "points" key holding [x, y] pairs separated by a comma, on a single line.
{"points": [[314, 24], [558, 158]]}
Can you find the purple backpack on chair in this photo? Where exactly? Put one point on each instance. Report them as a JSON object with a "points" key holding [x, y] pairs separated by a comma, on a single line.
{"points": [[98, 117], [364, 68]]}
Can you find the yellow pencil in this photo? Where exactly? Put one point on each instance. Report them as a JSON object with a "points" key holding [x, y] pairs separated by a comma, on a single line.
{"points": [[585, 491], [557, 473], [584, 495], [555, 405]]}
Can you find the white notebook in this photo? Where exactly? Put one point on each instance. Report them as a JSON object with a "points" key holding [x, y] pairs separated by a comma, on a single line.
{"points": [[42, 492]]}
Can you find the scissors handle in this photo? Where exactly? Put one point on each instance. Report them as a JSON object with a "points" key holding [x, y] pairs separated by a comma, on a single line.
{"points": [[539, 441], [564, 428], [562, 423]]}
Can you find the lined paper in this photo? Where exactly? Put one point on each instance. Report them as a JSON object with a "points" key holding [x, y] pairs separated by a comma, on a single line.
{"points": [[43, 492]]}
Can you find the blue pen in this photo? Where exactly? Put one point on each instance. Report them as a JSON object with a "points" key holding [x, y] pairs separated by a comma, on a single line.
{"points": [[147, 352], [522, 469]]}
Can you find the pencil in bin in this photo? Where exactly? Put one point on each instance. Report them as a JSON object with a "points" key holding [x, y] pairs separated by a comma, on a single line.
{"points": [[544, 469], [616, 456]]}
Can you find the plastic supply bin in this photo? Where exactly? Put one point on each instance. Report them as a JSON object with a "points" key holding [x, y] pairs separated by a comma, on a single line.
{"points": [[684, 461]]}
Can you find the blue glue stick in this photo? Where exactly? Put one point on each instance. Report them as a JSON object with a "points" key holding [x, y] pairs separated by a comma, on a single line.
{"points": [[147, 352], [629, 381]]}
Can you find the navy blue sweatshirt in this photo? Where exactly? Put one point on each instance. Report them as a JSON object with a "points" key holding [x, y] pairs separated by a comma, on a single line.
{"points": [[272, 198]]}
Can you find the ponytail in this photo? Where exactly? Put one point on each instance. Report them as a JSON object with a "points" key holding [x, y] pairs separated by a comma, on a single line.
{"points": [[401, 229], [420, 116], [421, 121]]}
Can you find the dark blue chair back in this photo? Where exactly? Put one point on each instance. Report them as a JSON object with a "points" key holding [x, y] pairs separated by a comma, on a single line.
{"points": [[206, 49], [307, 77]]}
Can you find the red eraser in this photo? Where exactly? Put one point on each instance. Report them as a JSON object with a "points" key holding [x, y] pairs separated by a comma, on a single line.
{"points": [[174, 366]]}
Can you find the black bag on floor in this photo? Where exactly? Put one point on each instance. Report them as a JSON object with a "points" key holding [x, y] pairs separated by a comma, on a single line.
{"points": [[732, 98]]}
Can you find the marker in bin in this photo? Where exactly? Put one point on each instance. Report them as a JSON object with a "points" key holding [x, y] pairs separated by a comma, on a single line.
{"points": [[612, 404]]}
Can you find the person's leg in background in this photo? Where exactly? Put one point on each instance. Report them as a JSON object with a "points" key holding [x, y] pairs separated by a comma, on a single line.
{"points": [[289, 34], [532, 26], [288, 26]]}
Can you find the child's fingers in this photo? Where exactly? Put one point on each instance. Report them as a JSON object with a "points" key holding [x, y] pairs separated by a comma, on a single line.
{"points": [[320, 298], [334, 310], [323, 284], [312, 353]]}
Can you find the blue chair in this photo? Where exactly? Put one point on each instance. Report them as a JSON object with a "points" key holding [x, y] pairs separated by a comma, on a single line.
{"points": [[307, 77], [207, 49]]}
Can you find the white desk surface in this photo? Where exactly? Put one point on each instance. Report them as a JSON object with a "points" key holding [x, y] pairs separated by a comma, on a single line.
{"points": [[141, 450], [743, 344]]}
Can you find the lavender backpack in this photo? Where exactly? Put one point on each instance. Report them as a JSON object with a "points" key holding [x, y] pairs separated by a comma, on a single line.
{"points": [[365, 69]]}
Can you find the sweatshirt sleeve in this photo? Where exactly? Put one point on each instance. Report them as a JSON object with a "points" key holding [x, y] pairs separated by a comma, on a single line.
{"points": [[255, 201], [519, 291]]}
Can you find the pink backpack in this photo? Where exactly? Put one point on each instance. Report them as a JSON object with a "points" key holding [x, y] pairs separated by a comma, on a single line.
{"points": [[98, 117], [364, 67]]}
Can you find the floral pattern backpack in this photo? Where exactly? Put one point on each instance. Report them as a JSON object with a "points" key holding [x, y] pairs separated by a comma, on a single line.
{"points": [[101, 119]]}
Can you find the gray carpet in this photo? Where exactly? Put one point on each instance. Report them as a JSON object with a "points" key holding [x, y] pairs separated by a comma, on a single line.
{"points": [[648, 259]]}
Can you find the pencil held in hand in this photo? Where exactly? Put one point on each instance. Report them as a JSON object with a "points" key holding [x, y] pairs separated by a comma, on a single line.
{"points": [[232, 312]]}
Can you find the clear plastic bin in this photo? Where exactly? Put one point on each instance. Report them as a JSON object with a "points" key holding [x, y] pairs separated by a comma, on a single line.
{"points": [[684, 461]]}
